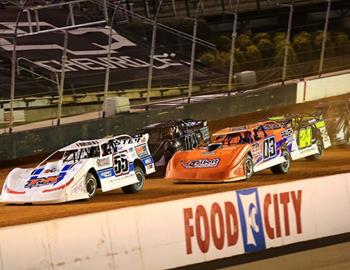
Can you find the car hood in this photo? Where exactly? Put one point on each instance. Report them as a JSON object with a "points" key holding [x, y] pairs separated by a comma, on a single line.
{"points": [[52, 176], [203, 164]]}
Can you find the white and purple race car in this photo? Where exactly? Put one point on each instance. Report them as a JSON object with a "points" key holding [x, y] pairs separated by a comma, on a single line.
{"points": [[76, 171]]}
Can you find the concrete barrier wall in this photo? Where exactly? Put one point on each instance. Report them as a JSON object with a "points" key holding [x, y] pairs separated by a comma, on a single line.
{"points": [[23, 144], [316, 89], [183, 232]]}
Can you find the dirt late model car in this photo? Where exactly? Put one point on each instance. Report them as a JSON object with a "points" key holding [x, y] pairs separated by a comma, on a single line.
{"points": [[235, 154], [77, 170], [166, 138], [310, 133], [337, 117]]}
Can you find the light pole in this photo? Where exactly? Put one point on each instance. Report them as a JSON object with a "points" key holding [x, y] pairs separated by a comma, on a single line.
{"points": [[63, 72], [233, 48], [14, 67], [324, 39], [286, 46], [106, 86], [13, 81], [151, 60], [193, 51]]}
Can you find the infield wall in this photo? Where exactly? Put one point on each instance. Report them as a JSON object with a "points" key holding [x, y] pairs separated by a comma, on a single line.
{"points": [[183, 232]]}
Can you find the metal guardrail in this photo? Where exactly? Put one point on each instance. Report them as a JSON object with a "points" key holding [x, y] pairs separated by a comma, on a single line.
{"points": [[82, 98]]}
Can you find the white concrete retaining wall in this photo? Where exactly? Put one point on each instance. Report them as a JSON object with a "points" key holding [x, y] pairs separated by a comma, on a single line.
{"points": [[310, 90], [183, 232]]}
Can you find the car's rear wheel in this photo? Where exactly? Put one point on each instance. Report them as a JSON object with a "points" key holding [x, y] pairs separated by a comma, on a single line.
{"points": [[91, 185], [282, 168], [320, 152], [137, 187], [248, 167]]}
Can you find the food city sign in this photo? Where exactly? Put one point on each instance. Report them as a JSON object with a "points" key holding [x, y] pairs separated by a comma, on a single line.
{"points": [[192, 230], [249, 217]]}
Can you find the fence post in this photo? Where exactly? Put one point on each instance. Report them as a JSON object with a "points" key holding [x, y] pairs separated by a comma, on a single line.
{"points": [[63, 72], [286, 48], [193, 52], [324, 39], [151, 60]]}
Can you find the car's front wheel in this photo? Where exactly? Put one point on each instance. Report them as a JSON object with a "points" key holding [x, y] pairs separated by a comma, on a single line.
{"points": [[91, 185], [137, 187], [282, 168]]}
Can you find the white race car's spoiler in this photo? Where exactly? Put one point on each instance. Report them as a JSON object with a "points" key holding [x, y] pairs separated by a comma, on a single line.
{"points": [[127, 139], [141, 138], [83, 144], [123, 139]]}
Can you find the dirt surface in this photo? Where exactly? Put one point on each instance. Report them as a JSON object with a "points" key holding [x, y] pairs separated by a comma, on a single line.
{"points": [[335, 160]]}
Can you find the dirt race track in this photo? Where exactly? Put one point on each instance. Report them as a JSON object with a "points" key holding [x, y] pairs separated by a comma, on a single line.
{"points": [[335, 160]]}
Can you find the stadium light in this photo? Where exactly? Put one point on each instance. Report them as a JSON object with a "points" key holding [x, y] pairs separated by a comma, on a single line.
{"points": [[324, 39], [233, 48], [193, 51]]}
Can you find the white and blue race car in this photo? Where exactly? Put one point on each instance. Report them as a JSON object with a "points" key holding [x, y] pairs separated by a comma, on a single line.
{"points": [[76, 171]]}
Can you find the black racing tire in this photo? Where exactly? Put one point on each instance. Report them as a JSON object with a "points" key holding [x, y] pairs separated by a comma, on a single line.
{"points": [[248, 167], [319, 155], [161, 170], [91, 185], [137, 187], [282, 168]]}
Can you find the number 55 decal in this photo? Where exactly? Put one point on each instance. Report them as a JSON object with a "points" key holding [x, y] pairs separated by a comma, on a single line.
{"points": [[121, 165], [269, 148]]}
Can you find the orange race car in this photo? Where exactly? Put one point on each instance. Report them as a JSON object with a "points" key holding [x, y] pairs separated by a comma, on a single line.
{"points": [[235, 154]]}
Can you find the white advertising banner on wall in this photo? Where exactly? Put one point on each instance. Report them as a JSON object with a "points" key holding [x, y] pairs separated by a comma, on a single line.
{"points": [[184, 232]]}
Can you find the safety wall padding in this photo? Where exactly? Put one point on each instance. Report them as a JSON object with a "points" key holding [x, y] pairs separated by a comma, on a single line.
{"points": [[183, 232]]}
